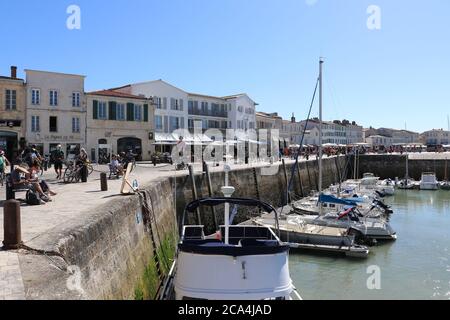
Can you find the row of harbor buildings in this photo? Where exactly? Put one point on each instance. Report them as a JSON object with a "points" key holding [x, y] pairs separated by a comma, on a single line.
{"points": [[48, 109]]}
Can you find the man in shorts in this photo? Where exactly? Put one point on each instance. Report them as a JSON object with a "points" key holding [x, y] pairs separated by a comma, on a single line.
{"points": [[58, 158]]}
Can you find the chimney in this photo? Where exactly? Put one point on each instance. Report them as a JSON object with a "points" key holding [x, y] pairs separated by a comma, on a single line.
{"points": [[13, 72]]}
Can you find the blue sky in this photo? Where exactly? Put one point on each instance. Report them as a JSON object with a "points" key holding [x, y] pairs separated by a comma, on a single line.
{"points": [[267, 48]]}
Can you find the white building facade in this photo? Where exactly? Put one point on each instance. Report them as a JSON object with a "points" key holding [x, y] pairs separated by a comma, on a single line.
{"points": [[436, 137], [242, 112], [118, 122], [211, 112], [56, 111], [380, 141]]}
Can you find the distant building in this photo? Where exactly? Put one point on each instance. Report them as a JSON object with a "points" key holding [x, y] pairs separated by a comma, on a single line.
{"points": [[380, 141], [272, 121], [12, 113], [398, 136], [118, 122], [337, 132], [435, 137], [56, 111]]}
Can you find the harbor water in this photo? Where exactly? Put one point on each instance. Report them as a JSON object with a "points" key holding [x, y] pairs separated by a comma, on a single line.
{"points": [[416, 266]]}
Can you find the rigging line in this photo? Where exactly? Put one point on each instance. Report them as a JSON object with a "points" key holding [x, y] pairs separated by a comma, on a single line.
{"points": [[295, 166]]}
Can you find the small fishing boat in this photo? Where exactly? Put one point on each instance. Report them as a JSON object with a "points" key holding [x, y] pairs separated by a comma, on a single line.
{"points": [[429, 181], [406, 183], [369, 179], [387, 187]]}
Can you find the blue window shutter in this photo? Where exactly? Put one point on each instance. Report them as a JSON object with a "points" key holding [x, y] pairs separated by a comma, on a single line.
{"points": [[145, 112], [95, 109]]}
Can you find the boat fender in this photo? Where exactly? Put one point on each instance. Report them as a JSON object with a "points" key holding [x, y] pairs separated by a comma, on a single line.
{"points": [[218, 235]]}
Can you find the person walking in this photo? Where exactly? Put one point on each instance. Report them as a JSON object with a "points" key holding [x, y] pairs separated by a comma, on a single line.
{"points": [[58, 158]]}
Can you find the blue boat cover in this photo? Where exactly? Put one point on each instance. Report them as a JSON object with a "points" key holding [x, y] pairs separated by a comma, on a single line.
{"points": [[326, 198]]}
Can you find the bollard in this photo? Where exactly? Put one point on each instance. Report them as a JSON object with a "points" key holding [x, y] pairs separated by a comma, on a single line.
{"points": [[12, 231], [84, 173], [103, 181], [10, 194]]}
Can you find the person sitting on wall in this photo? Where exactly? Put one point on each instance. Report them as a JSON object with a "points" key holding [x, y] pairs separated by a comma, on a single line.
{"points": [[21, 179], [34, 177]]}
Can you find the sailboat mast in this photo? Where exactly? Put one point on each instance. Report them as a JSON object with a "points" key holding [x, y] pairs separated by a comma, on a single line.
{"points": [[446, 170], [320, 134], [407, 167]]}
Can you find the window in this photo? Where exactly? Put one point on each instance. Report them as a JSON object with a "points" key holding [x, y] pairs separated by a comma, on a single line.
{"points": [[120, 112], [204, 107], [53, 97], [174, 123], [76, 125], [35, 96], [174, 104], [137, 112], [53, 124], [158, 123], [35, 127], [102, 110], [75, 99], [157, 102], [10, 99]]}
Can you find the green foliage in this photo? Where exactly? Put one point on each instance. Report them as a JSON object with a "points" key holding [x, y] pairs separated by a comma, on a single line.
{"points": [[148, 285]]}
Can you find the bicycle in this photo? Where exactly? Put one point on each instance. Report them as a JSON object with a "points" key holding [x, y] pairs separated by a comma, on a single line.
{"points": [[90, 167], [72, 173]]}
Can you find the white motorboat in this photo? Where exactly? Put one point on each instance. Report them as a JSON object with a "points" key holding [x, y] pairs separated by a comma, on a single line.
{"points": [[369, 179], [429, 181], [239, 262], [348, 217]]}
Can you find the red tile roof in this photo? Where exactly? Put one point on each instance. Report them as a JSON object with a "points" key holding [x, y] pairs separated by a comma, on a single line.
{"points": [[117, 94]]}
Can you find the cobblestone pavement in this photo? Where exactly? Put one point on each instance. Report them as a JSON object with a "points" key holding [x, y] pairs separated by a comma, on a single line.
{"points": [[11, 284]]}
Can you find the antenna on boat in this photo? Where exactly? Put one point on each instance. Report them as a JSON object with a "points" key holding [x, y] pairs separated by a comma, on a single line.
{"points": [[227, 193], [320, 134]]}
